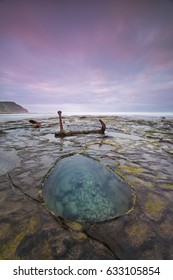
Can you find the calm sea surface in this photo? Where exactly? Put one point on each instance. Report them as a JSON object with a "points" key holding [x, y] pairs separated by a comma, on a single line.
{"points": [[136, 115]]}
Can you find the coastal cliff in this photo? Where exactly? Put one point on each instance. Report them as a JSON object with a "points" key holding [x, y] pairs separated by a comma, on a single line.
{"points": [[8, 107]]}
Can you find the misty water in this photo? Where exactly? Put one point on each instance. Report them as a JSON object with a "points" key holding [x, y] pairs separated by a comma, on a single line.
{"points": [[37, 116]]}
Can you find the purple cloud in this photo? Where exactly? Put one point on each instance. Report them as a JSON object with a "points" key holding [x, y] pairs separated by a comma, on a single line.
{"points": [[95, 55]]}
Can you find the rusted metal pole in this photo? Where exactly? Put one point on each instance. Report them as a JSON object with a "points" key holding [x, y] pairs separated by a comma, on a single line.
{"points": [[60, 121]]}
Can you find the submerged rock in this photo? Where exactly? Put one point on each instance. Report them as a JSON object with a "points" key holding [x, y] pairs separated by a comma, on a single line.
{"points": [[80, 188]]}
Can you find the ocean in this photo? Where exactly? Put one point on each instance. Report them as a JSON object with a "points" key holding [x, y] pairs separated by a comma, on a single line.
{"points": [[37, 116]]}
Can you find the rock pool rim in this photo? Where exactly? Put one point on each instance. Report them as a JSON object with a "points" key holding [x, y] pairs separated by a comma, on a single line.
{"points": [[61, 218]]}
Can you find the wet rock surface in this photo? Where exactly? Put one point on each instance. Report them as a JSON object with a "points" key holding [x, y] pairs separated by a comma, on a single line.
{"points": [[140, 151]]}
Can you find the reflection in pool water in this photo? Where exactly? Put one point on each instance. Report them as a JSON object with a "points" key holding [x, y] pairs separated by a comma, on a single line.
{"points": [[80, 188]]}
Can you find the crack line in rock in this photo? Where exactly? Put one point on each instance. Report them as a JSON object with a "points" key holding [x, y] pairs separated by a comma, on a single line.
{"points": [[103, 243], [20, 189], [58, 219]]}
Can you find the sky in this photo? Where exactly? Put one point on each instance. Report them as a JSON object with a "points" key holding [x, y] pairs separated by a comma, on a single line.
{"points": [[87, 55]]}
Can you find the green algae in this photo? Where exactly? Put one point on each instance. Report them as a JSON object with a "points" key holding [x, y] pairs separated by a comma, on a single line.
{"points": [[111, 143], [131, 169], [134, 230], [75, 226], [138, 233], [45, 252], [121, 175], [154, 206], [8, 250], [4, 230], [77, 229], [169, 186], [124, 177]]}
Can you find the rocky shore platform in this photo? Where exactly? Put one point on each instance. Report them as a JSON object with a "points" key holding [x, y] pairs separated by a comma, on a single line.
{"points": [[140, 151]]}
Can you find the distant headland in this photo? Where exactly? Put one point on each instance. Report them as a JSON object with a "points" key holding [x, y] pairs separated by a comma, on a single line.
{"points": [[9, 107]]}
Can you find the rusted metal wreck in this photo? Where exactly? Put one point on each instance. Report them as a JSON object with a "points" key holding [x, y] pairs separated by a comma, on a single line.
{"points": [[63, 133], [35, 124]]}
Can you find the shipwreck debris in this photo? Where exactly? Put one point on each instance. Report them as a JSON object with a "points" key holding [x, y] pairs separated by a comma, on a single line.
{"points": [[35, 123], [63, 133], [60, 121]]}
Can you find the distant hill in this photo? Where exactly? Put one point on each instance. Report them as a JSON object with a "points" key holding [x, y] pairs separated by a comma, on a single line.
{"points": [[8, 107]]}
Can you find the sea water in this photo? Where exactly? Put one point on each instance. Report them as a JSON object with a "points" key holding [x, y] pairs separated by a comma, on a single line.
{"points": [[38, 116]]}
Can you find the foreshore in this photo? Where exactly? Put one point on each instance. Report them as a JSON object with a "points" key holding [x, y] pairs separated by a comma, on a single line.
{"points": [[138, 150]]}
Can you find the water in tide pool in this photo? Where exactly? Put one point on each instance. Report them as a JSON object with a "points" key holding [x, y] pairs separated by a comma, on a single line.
{"points": [[80, 188]]}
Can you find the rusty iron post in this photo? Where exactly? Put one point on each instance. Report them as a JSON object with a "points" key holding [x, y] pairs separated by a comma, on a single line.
{"points": [[60, 121]]}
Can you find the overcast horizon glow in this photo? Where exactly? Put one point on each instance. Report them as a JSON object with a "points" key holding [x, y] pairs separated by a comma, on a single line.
{"points": [[87, 56]]}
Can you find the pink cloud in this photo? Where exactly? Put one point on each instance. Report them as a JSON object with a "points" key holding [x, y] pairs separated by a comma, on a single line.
{"points": [[114, 49]]}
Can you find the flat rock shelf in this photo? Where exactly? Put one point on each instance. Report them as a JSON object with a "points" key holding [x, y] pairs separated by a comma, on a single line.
{"points": [[136, 151]]}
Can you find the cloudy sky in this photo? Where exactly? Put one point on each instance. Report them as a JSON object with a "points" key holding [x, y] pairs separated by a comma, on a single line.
{"points": [[87, 55]]}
